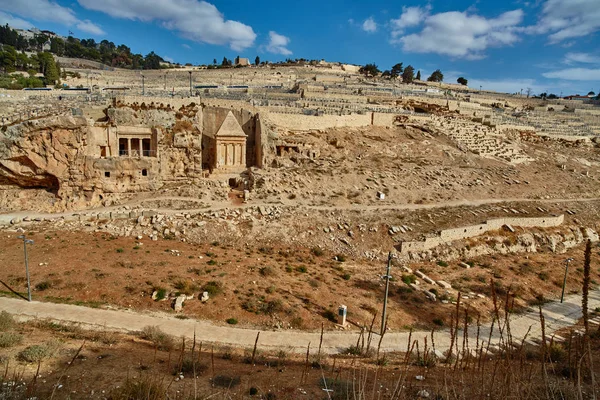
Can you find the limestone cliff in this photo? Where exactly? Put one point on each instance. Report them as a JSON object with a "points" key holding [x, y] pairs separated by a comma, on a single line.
{"points": [[43, 154]]}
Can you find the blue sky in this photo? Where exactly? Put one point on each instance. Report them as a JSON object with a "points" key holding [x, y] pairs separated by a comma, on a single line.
{"points": [[545, 45]]}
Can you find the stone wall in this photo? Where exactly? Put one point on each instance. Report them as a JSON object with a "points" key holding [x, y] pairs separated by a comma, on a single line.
{"points": [[465, 232], [307, 122]]}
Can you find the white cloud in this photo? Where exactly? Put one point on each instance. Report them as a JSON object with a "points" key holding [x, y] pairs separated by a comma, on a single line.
{"points": [[575, 74], [369, 25], [45, 10], [278, 44], [462, 35], [507, 85], [585, 58], [567, 19], [14, 22], [193, 19], [89, 27], [186, 46], [411, 16]]}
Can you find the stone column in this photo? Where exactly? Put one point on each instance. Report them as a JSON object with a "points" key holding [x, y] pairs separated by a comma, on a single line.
{"points": [[141, 148], [243, 145]]}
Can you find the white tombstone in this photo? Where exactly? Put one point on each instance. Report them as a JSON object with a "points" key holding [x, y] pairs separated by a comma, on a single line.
{"points": [[342, 312]]}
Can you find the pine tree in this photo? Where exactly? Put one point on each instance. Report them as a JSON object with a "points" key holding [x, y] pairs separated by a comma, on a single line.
{"points": [[418, 76]]}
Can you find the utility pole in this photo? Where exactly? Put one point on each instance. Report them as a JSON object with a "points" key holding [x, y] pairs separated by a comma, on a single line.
{"points": [[25, 243], [387, 277], [567, 261], [190, 83]]}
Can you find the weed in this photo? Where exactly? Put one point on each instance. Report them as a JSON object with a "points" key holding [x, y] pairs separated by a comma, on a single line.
{"points": [[44, 285], [120, 250], [346, 276], [213, 288], [226, 381], [6, 321], [317, 251], [161, 340], [267, 271], [302, 269], [9, 339], [408, 279], [231, 321], [442, 263], [37, 352], [185, 287], [330, 315]]}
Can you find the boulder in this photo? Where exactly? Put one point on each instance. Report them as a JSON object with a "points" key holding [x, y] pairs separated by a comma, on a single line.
{"points": [[178, 303]]}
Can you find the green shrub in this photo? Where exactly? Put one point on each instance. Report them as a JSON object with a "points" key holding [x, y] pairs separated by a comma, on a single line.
{"points": [[231, 321], [36, 353], [408, 279], [213, 288], [302, 269], [120, 250], [9, 339], [346, 276], [341, 257], [438, 321], [543, 276], [161, 340], [442, 263], [161, 293]]}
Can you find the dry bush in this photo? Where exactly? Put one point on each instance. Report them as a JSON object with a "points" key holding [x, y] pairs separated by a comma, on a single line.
{"points": [[10, 339], [161, 340]]}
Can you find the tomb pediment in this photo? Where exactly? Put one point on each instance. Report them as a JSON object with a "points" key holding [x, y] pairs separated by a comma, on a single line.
{"points": [[230, 127]]}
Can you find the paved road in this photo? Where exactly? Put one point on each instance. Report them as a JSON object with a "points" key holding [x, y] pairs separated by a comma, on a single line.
{"points": [[557, 316]]}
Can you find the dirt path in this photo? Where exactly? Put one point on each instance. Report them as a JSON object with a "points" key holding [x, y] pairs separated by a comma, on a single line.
{"points": [[7, 217], [557, 316]]}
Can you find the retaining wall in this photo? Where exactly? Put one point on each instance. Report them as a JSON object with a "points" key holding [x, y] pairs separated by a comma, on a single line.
{"points": [[465, 232]]}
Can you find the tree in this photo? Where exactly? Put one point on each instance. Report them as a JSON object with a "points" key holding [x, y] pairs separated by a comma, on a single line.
{"points": [[436, 76], [591, 94], [369, 70], [462, 81], [237, 60], [408, 75], [57, 46], [397, 70], [49, 68], [418, 75], [386, 74], [257, 61], [152, 61], [8, 59], [214, 61], [528, 92], [41, 41]]}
